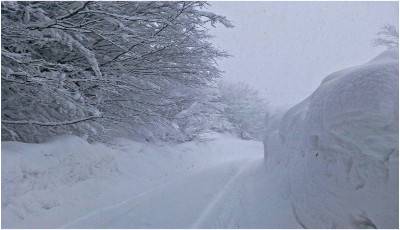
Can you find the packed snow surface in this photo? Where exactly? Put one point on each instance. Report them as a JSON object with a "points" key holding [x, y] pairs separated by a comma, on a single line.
{"points": [[338, 149], [218, 182]]}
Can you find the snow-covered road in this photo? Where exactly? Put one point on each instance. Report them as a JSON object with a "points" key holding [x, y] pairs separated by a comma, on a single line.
{"points": [[229, 195], [219, 183]]}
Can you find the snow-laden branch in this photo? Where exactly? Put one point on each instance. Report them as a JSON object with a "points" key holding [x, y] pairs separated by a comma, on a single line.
{"points": [[75, 11], [124, 17], [70, 122], [166, 25], [138, 63], [67, 38]]}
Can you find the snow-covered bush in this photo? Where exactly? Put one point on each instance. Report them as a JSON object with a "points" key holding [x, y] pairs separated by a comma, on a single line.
{"points": [[102, 68], [338, 149]]}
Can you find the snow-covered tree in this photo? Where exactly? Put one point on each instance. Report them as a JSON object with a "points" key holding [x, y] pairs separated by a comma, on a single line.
{"points": [[102, 68], [244, 108], [388, 36]]}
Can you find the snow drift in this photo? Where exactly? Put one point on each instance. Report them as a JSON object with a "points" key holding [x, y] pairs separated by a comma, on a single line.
{"points": [[41, 178], [341, 146]]}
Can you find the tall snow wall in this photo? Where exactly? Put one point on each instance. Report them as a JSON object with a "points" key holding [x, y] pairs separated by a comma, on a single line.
{"points": [[338, 149]]}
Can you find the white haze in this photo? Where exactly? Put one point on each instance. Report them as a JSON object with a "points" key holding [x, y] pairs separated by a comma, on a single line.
{"points": [[285, 50]]}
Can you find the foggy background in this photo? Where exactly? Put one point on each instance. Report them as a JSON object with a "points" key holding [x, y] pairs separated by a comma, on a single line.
{"points": [[285, 49]]}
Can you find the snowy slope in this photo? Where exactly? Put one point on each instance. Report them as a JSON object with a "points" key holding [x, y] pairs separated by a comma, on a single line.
{"points": [[70, 183], [341, 148]]}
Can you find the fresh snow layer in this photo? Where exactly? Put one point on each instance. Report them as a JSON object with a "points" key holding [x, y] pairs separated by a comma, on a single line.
{"points": [[218, 181], [338, 149]]}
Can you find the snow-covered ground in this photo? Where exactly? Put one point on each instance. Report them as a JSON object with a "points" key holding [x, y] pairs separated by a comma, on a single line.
{"points": [[338, 149], [69, 183]]}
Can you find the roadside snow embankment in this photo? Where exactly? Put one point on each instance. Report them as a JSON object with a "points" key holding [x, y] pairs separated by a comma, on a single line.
{"points": [[340, 149], [54, 184], [40, 178]]}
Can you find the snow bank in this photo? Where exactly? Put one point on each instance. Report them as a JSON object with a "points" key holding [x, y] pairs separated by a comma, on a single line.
{"points": [[52, 184], [37, 178], [341, 148]]}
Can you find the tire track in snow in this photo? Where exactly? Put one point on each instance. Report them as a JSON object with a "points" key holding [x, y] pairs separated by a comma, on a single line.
{"points": [[120, 204], [117, 205], [225, 189]]}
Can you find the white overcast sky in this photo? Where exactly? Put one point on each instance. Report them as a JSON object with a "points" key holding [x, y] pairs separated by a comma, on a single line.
{"points": [[285, 49]]}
